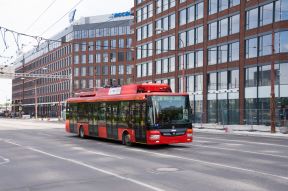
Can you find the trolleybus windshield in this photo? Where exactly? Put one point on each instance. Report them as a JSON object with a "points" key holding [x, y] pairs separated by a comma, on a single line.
{"points": [[169, 110]]}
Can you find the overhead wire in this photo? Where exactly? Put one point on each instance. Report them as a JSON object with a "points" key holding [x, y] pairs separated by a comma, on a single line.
{"points": [[61, 17], [37, 19], [40, 38]]}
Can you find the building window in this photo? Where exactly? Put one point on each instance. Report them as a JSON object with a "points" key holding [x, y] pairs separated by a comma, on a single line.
{"points": [[251, 48], [113, 44], [222, 80], [265, 45], [222, 54], [83, 71], [266, 14], [233, 51], [76, 72], [76, 59], [113, 69], [251, 77], [158, 67], [121, 69], [212, 6], [199, 35], [91, 70], [105, 57], [234, 24], [105, 44], [264, 75], [182, 17], [190, 14], [212, 56], [212, 81], [212, 33], [199, 9], [252, 19], [83, 84], [91, 46], [199, 58], [76, 84], [98, 45], [76, 47], [91, 58], [223, 4], [98, 58], [281, 42], [223, 27], [83, 46], [234, 2], [281, 10], [83, 59], [104, 70], [190, 60], [182, 40], [233, 79], [190, 37]]}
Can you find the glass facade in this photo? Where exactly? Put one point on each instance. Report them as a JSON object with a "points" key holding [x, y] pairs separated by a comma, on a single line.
{"points": [[221, 59]]}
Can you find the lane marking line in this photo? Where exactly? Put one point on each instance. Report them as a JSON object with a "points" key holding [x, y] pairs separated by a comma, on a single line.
{"points": [[213, 164], [96, 152], [5, 160], [88, 166], [251, 142]]}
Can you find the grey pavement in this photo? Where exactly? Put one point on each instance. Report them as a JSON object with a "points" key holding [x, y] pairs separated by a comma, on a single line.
{"points": [[36, 155], [245, 130]]}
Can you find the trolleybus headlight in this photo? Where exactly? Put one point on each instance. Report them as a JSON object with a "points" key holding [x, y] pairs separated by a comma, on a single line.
{"points": [[154, 137], [189, 133]]}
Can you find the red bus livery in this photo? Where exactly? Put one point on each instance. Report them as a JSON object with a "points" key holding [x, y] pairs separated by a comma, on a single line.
{"points": [[136, 113]]}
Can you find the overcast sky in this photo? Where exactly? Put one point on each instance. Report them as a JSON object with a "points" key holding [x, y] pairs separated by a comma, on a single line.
{"points": [[19, 15]]}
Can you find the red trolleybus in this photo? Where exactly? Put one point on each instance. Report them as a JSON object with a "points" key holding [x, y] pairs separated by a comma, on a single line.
{"points": [[135, 113]]}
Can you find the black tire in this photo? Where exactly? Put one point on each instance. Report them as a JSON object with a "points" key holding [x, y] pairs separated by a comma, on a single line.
{"points": [[81, 133], [126, 139]]}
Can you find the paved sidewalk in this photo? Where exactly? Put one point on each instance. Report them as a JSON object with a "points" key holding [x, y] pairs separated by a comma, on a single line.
{"points": [[249, 130]]}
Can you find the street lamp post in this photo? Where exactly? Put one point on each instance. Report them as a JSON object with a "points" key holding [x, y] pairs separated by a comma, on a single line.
{"points": [[272, 100], [183, 68], [36, 101]]}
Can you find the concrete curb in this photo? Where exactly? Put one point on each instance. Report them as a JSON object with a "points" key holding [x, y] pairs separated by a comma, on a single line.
{"points": [[242, 133]]}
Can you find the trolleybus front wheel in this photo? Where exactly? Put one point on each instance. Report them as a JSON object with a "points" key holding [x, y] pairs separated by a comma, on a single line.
{"points": [[81, 133], [126, 139]]}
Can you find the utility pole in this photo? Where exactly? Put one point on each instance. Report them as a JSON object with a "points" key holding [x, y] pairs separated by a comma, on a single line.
{"points": [[272, 97], [36, 101]]}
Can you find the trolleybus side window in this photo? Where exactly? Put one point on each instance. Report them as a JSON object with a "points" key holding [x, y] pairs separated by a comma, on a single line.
{"points": [[102, 111], [124, 114]]}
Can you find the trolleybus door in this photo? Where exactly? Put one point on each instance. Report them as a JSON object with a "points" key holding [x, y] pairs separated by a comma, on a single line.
{"points": [[138, 119], [73, 117], [111, 121], [93, 119]]}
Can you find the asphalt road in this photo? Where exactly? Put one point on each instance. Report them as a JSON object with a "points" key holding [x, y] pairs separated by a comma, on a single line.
{"points": [[40, 156]]}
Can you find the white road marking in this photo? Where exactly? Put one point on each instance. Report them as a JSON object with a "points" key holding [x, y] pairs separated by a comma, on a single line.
{"points": [[212, 164], [45, 134], [88, 166], [233, 144], [5, 160], [250, 152], [198, 141], [240, 141], [97, 153]]}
